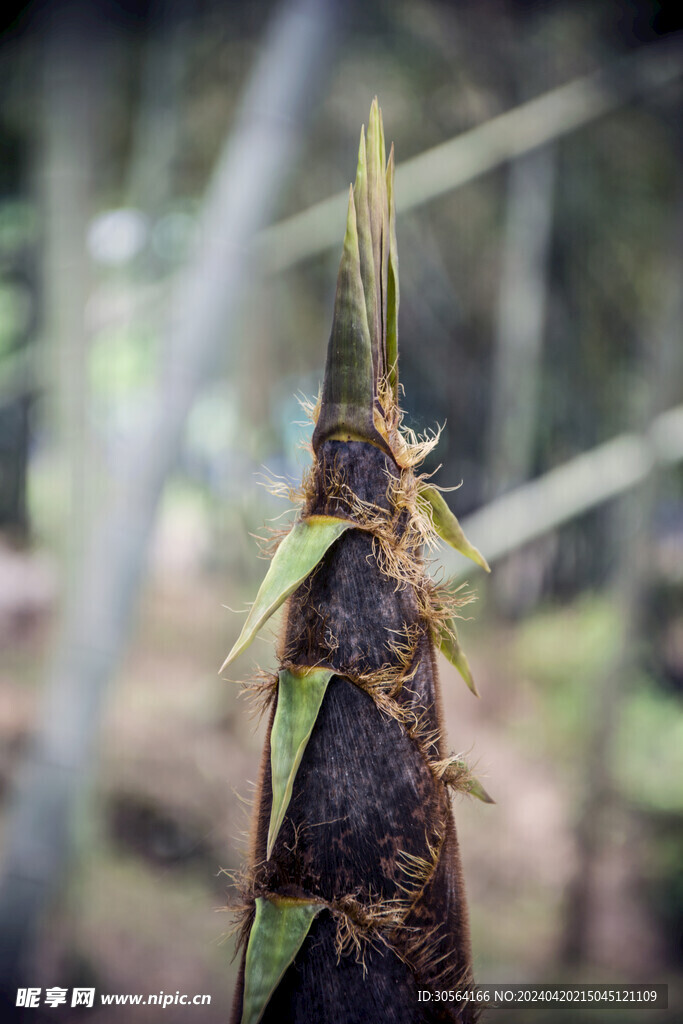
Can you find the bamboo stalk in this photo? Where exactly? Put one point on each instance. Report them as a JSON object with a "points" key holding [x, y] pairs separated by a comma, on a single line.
{"points": [[462, 159], [240, 200], [575, 487]]}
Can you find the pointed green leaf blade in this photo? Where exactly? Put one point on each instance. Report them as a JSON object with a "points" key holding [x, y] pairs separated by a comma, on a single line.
{"points": [[392, 285], [475, 788], [379, 216], [346, 410], [297, 556], [299, 696], [367, 261], [279, 929], [376, 182], [457, 774], [379, 224], [382, 146], [447, 638], [448, 527]]}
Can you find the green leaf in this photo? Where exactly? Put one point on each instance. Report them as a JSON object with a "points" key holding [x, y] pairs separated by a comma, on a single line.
{"points": [[279, 929], [297, 556], [379, 223], [392, 285], [369, 277], [448, 527], [299, 696], [346, 409], [447, 638], [366, 304], [456, 773], [475, 788]]}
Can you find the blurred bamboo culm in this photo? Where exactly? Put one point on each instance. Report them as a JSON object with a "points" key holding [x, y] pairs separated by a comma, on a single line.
{"points": [[353, 897], [39, 832]]}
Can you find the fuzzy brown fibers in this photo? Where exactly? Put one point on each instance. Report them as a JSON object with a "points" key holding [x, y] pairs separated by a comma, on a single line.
{"points": [[368, 819]]}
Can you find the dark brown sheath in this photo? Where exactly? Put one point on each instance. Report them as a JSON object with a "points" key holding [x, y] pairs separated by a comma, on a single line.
{"points": [[368, 836]]}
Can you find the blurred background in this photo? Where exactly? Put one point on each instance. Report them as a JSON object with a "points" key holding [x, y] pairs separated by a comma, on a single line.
{"points": [[171, 219]]}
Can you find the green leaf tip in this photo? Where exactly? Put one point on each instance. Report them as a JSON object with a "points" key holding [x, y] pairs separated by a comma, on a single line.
{"points": [[448, 527], [475, 788], [363, 345], [296, 557], [300, 694], [392, 285], [369, 277], [455, 772], [346, 410], [277, 934], [379, 225], [447, 639]]}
